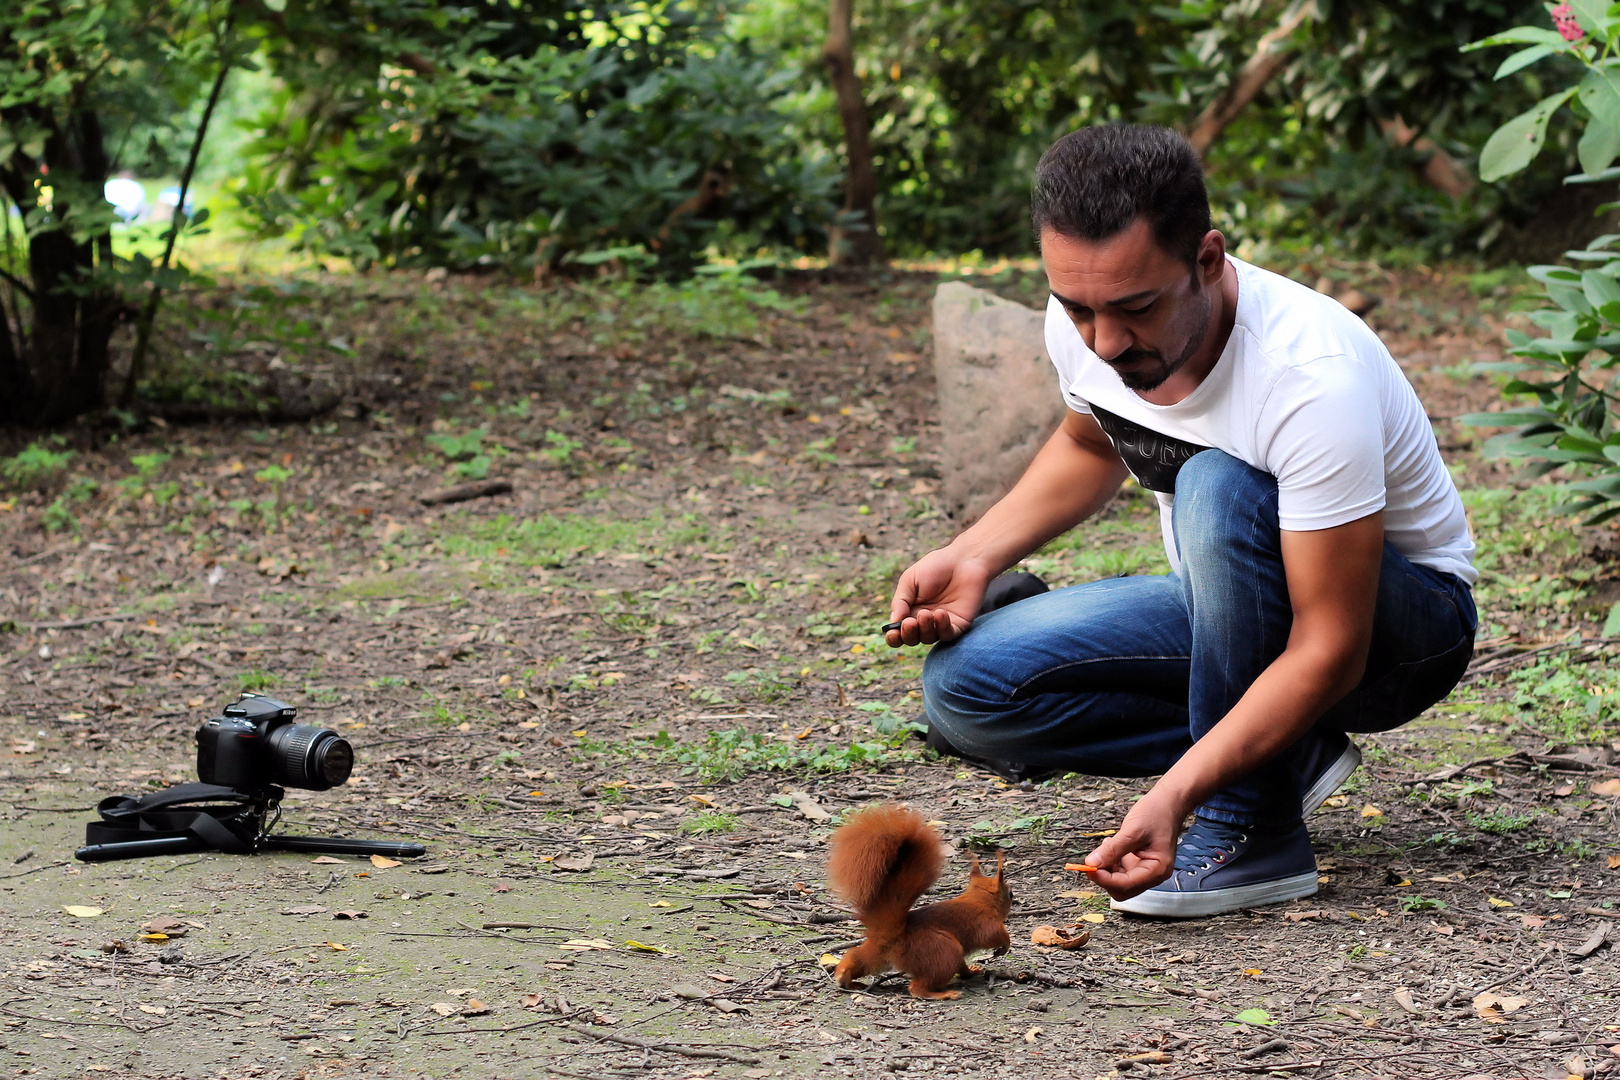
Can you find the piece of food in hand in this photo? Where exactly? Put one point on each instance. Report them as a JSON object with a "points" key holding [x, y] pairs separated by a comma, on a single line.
{"points": [[891, 626], [1081, 868]]}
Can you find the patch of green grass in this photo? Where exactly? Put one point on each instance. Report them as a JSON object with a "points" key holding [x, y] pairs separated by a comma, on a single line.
{"points": [[710, 821], [726, 756], [1125, 544], [1500, 822], [256, 680], [1417, 902], [1566, 699], [35, 466], [1526, 543], [760, 684], [555, 540]]}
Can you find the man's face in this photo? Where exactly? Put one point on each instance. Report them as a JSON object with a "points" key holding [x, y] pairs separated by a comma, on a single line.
{"points": [[1143, 311]]}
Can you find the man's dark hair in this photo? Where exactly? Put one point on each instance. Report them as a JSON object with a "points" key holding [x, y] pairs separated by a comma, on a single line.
{"points": [[1093, 183]]}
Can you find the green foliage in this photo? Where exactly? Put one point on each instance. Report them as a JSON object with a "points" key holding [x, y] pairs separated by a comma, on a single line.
{"points": [[1567, 372], [1500, 822], [36, 466], [964, 96], [90, 89], [529, 134], [710, 821], [728, 756], [1416, 902]]}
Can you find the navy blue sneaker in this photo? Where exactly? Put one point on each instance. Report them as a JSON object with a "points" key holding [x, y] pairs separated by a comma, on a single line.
{"points": [[1221, 867], [1330, 757]]}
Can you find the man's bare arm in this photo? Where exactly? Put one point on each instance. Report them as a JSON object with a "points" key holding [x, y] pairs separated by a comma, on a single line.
{"points": [[1333, 587], [1075, 473]]}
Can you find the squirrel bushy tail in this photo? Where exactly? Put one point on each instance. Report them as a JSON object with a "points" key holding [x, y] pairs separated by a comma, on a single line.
{"points": [[882, 859]]}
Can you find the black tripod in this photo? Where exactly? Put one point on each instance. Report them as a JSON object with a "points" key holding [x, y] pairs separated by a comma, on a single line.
{"points": [[209, 817]]}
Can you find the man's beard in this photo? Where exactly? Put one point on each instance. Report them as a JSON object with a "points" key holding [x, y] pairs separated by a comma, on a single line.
{"points": [[1156, 370]]}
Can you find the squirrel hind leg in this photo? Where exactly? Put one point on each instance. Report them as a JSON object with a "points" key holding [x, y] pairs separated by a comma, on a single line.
{"points": [[920, 989]]}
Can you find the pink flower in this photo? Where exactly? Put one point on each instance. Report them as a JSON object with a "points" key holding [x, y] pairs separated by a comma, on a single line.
{"points": [[1563, 17]]}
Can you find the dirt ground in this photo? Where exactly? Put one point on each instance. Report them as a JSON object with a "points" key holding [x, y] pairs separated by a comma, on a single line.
{"points": [[624, 704]]}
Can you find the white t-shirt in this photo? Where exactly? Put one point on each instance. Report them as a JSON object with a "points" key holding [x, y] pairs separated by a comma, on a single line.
{"points": [[1303, 391]]}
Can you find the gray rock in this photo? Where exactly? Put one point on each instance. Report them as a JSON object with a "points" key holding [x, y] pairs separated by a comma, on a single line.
{"points": [[998, 395]]}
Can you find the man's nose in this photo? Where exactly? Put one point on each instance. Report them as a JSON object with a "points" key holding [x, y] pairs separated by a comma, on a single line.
{"points": [[1110, 337]]}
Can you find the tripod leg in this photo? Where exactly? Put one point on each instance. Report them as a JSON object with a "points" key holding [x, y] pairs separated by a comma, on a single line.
{"points": [[334, 845]]}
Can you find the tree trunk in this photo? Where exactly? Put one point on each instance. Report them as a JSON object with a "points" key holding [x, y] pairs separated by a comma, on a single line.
{"points": [[1271, 54], [855, 240], [1440, 170], [55, 368]]}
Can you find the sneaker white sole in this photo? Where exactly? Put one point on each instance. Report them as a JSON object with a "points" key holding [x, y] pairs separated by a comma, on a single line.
{"points": [[1332, 779], [1187, 905]]}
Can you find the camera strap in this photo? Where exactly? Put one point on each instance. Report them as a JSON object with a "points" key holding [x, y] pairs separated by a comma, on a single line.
{"points": [[223, 818]]}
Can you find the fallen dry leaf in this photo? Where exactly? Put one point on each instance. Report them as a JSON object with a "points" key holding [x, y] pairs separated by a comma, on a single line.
{"points": [[382, 863], [1614, 862], [1301, 916], [1606, 787], [1371, 811], [1403, 998], [326, 860], [445, 1008], [152, 1010], [166, 927], [1032, 1034], [475, 1008], [79, 911], [726, 1005], [575, 863], [1093, 917], [641, 946], [532, 1001], [305, 909], [1059, 937], [1492, 1007], [503, 886]]}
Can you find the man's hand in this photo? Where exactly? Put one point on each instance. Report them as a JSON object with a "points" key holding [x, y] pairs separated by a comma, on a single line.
{"points": [[1143, 852], [937, 598]]}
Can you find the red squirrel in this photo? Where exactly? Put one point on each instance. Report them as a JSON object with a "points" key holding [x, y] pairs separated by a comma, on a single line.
{"points": [[883, 858]]}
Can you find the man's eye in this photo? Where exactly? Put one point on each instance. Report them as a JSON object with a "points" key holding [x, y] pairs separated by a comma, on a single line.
{"points": [[1138, 310]]}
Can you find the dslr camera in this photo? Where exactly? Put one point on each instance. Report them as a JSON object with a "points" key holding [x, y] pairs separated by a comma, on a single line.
{"points": [[256, 744]]}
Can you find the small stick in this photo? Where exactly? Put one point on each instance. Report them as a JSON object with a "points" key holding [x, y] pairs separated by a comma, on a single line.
{"points": [[1081, 868]]}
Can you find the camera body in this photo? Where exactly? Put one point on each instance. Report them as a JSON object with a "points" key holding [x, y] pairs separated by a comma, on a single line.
{"points": [[256, 744]]}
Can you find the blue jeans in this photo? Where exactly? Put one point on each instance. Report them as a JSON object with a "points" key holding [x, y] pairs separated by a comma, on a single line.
{"points": [[1119, 677]]}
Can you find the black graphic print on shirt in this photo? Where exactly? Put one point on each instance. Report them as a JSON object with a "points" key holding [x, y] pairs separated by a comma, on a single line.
{"points": [[1154, 459]]}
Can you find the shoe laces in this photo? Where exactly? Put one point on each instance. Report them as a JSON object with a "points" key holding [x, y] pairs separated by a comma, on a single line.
{"points": [[1208, 843]]}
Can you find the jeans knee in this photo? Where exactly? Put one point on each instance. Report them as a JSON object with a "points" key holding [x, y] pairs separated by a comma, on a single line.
{"points": [[1220, 501]]}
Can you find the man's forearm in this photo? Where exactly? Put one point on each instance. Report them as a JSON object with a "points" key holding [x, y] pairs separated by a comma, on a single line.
{"points": [[1283, 703], [1067, 482]]}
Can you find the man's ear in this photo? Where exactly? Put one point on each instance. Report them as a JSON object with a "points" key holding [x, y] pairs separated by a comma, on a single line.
{"points": [[1211, 258]]}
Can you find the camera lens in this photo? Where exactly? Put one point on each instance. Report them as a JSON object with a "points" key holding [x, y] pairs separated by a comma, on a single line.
{"points": [[305, 756]]}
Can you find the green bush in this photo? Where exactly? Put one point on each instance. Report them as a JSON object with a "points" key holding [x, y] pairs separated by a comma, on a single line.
{"points": [[34, 467], [553, 131], [1567, 371]]}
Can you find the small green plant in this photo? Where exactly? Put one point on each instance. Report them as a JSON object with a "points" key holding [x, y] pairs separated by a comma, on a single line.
{"points": [[710, 821], [505, 757], [36, 466], [820, 451], [559, 448], [759, 684], [1500, 822], [256, 680], [1416, 903], [1568, 371], [465, 451]]}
